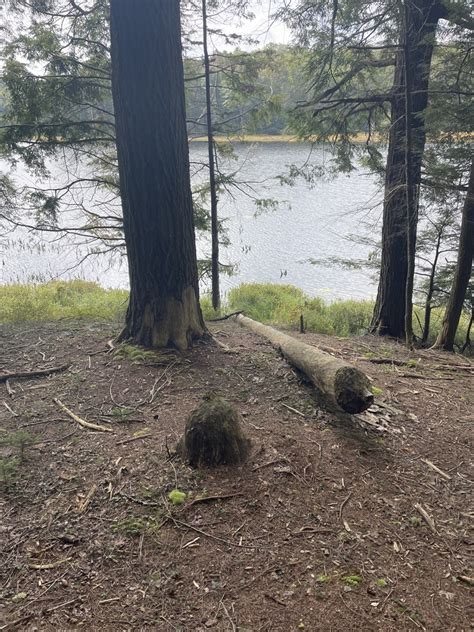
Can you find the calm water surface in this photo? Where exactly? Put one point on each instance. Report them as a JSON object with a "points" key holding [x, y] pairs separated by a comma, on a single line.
{"points": [[273, 247]]}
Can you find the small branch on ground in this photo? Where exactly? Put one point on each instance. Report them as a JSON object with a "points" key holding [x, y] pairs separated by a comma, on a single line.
{"points": [[208, 499], [294, 410], [437, 469], [428, 519], [40, 567], [27, 374], [10, 410], [81, 422], [136, 438], [343, 504], [87, 500], [10, 391], [223, 346], [216, 320]]}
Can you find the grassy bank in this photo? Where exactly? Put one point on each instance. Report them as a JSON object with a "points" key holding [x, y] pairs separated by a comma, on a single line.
{"points": [[283, 305], [275, 304], [59, 300]]}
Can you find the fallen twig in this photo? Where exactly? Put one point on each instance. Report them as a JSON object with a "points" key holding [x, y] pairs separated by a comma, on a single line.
{"points": [[294, 410], [387, 361], [41, 567], [415, 376], [10, 391], [436, 469], [279, 460], [275, 599], [164, 374], [136, 438], [309, 529], [38, 373], [428, 519], [343, 504], [387, 597], [81, 422], [139, 501], [216, 320], [210, 535], [225, 347], [16, 622], [103, 601], [87, 500], [208, 499], [234, 628], [10, 409], [61, 605]]}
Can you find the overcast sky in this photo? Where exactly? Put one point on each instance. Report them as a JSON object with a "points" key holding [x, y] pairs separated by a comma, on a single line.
{"points": [[264, 27]]}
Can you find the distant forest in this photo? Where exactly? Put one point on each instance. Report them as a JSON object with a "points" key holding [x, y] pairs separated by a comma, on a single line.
{"points": [[252, 92]]}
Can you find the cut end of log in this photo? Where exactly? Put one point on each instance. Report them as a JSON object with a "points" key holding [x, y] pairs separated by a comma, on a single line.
{"points": [[352, 390]]}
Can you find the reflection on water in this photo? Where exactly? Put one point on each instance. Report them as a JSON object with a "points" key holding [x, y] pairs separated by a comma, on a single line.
{"points": [[274, 247]]}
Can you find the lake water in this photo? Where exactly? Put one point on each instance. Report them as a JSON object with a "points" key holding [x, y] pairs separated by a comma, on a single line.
{"points": [[273, 247]]}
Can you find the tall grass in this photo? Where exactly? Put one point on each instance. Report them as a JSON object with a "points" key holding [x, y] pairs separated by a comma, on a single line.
{"points": [[284, 304], [61, 300], [269, 303]]}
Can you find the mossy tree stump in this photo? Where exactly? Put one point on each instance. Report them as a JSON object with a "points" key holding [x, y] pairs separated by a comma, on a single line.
{"points": [[213, 435]]}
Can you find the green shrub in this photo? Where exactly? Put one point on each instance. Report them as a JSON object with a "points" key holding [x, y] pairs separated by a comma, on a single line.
{"points": [[350, 318], [61, 300], [437, 315], [267, 302], [284, 304], [208, 311]]}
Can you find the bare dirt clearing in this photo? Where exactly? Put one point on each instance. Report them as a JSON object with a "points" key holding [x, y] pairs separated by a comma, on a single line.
{"points": [[332, 524]]}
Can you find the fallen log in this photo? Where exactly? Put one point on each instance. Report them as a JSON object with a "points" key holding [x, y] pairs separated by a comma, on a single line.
{"points": [[341, 385], [28, 374]]}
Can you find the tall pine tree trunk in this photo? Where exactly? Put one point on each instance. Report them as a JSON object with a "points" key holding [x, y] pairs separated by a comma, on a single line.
{"points": [[462, 273], [400, 211], [152, 147]]}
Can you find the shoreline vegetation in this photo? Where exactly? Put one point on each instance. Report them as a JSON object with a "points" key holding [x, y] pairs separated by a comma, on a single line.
{"points": [[292, 138], [277, 304], [268, 138]]}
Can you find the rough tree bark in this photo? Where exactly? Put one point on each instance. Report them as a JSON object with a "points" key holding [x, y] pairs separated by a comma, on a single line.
{"points": [[400, 221], [342, 386], [152, 148], [462, 273]]}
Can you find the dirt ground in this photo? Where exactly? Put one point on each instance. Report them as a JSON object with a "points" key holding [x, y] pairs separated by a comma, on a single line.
{"points": [[334, 523]]}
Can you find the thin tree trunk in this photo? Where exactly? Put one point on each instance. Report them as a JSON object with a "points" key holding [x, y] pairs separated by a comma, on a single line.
{"points": [[152, 148], [216, 299], [390, 308], [462, 273], [467, 341], [429, 296]]}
